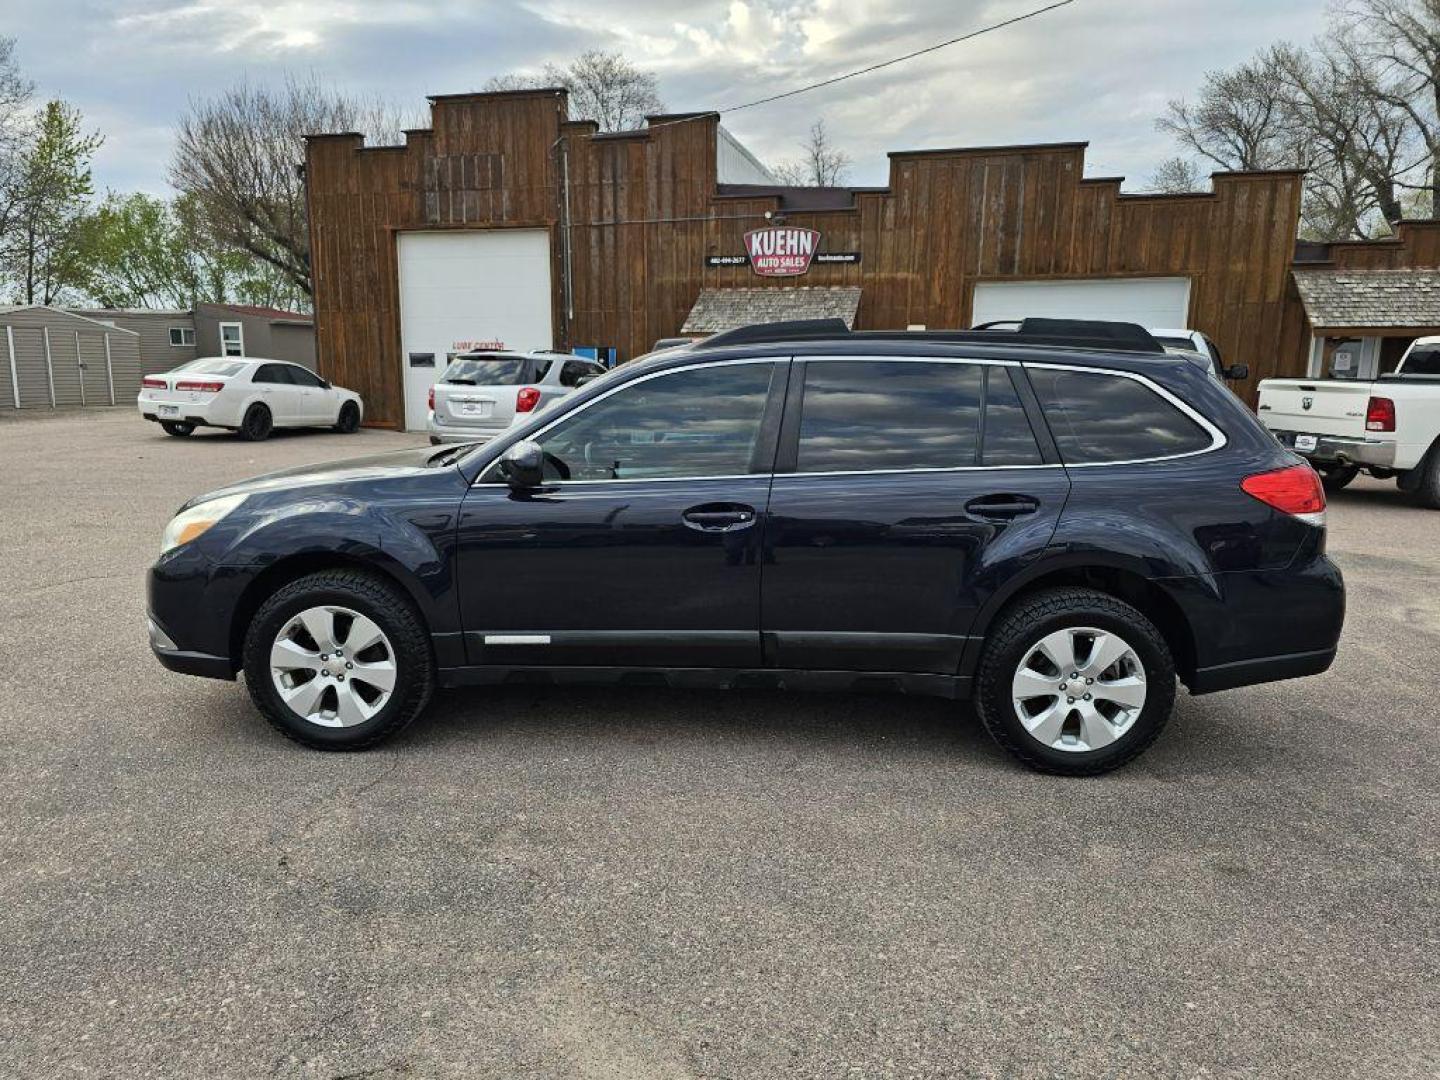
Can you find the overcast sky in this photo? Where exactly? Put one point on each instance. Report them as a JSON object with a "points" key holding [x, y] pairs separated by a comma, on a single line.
{"points": [[1098, 70]]}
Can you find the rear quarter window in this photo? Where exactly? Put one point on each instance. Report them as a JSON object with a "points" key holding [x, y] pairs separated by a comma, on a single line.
{"points": [[1098, 418]]}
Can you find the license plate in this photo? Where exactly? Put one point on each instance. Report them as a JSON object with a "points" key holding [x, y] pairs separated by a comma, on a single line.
{"points": [[1304, 442], [169, 410], [475, 408]]}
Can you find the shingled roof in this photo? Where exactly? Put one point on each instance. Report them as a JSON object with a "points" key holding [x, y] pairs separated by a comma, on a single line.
{"points": [[1364, 299], [726, 309]]}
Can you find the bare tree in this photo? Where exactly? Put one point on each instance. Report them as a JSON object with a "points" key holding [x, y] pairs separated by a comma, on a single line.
{"points": [[604, 87], [1396, 43], [1237, 121], [237, 157], [821, 165], [1176, 176], [1353, 141]]}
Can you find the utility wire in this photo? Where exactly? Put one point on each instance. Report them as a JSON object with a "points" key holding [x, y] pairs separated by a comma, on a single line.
{"points": [[865, 70], [899, 59]]}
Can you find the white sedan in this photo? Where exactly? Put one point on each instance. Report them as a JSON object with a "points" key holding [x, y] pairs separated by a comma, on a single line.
{"points": [[250, 396]]}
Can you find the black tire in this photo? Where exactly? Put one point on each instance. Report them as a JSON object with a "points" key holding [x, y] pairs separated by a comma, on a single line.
{"points": [[257, 424], [1426, 480], [349, 419], [178, 428], [1013, 640], [376, 599], [1338, 476]]}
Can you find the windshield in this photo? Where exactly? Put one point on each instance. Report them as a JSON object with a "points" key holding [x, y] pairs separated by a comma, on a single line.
{"points": [[212, 367], [486, 371]]}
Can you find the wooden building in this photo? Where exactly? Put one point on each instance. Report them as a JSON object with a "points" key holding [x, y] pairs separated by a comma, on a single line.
{"points": [[507, 223]]}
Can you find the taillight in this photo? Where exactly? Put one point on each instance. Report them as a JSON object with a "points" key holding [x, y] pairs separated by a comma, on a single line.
{"points": [[1380, 414], [154, 384], [200, 387], [1294, 490], [527, 399], [432, 399]]}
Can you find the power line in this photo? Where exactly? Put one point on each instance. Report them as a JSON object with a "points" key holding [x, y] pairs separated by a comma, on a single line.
{"points": [[866, 70], [899, 59]]}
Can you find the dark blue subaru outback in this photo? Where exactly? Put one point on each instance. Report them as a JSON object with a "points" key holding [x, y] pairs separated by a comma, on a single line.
{"points": [[1059, 523]]}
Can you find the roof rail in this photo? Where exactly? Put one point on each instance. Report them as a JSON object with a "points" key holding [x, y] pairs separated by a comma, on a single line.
{"points": [[794, 330], [1072, 333]]}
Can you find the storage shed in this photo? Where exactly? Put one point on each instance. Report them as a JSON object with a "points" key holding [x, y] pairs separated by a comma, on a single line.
{"points": [[52, 359]]}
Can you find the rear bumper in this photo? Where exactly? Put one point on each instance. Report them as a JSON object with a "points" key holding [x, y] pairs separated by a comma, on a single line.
{"points": [[186, 412], [1266, 669], [457, 433], [1337, 449]]}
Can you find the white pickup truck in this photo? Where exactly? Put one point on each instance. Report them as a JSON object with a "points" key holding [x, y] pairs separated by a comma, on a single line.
{"points": [[1388, 428]]}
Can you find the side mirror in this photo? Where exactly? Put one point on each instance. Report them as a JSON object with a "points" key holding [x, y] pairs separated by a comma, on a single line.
{"points": [[326, 384], [1237, 372], [523, 466]]}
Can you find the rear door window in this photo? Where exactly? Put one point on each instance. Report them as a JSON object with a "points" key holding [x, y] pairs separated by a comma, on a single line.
{"points": [[572, 371], [273, 373], [875, 415], [1098, 418]]}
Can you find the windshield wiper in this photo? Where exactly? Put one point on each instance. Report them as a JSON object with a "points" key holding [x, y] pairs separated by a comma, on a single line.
{"points": [[449, 454]]}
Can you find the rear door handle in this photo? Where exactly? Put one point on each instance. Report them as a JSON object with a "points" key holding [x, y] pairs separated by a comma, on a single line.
{"points": [[1001, 507], [719, 517]]}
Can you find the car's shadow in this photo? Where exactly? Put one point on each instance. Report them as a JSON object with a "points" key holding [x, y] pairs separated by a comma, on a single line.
{"points": [[1205, 735]]}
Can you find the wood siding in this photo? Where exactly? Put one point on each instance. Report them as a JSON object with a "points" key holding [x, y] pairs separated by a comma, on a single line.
{"points": [[644, 212]]}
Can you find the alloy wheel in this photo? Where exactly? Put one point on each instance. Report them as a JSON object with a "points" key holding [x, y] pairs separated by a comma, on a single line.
{"points": [[1079, 689], [333, 666]]}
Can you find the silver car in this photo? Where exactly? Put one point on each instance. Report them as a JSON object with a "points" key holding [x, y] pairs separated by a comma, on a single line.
{"points": [[481, 394]]}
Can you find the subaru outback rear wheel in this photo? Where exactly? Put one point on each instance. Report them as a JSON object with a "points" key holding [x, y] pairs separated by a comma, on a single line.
{"points": [[338, 660], [1075, 681]]}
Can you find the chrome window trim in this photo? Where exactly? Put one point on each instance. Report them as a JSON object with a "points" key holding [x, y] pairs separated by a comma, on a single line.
{"points": [[1217, 437]]}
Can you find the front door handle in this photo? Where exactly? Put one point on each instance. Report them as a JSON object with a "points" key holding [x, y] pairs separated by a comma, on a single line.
{"points": [[719, 517], [1001, 507]]}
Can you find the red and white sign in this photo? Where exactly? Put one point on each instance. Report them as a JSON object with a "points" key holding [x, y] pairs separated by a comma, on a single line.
{"points": [[781, 250]]}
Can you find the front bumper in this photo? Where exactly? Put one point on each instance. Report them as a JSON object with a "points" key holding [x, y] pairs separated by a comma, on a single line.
{"points": [[1336, 449], [185, 661]]}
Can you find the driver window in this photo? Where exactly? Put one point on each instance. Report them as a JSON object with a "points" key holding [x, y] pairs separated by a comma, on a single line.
{"points": [[700, 422]]}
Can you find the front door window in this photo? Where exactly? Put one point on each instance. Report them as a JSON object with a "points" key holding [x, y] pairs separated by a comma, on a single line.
{"points": [[702, 422]]}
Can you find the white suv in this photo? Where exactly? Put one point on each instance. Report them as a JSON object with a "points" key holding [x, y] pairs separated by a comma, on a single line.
{"points": [[482, 394]]}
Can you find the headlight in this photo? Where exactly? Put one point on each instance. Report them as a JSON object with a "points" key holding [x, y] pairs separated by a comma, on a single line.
{"points": [[188, 524]]}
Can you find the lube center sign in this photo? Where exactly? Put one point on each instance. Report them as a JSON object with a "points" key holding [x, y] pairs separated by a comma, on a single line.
{"points": [[781, 250]]}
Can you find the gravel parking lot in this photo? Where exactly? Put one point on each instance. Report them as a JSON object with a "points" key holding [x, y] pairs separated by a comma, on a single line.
{"points": [[627, 883]]}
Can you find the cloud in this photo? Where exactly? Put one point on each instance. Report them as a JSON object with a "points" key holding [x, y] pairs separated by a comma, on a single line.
{"points": [[1098, 69]]}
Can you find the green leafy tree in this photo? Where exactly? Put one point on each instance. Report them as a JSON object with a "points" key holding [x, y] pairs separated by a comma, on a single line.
{"points": [[53, 190], [145, 252]]}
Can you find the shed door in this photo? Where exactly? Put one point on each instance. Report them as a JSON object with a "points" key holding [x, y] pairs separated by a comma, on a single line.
{"points": [[464, 290], [1154, 303]]}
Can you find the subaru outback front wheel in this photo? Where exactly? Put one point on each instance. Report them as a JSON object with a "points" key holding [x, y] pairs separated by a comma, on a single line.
{"points": [[1075, 681], [338, 660]]}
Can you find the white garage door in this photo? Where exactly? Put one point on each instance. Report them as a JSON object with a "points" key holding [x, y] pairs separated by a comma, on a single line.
{"points": [[1151, 302], [464, 290]]}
